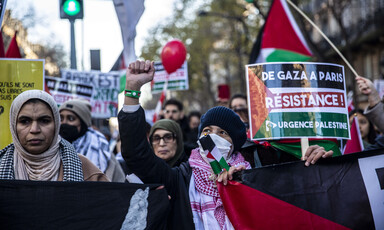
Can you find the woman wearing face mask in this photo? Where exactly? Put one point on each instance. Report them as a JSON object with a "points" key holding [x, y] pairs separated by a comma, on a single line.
{"points": [[37, 151], [191, 185], [195, 201], [76, 128]]}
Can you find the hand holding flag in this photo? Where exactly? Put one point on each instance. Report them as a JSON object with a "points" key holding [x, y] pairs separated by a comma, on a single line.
{"points": [[227, 175], [216, 160]]}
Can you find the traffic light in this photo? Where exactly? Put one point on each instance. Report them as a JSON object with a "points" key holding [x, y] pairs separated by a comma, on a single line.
{"points": [[71, 9]]}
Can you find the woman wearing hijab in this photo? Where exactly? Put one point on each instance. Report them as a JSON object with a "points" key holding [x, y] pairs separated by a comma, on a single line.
{"points": [[166, 139], [195, 201], [38, 152]]}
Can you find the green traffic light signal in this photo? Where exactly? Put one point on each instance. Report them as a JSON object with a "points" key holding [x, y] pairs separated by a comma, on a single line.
{"points": [[71, 7]]}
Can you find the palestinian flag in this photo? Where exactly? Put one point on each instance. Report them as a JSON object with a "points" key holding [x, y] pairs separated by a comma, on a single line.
{"points": [[216, 160], [293, 146], [280, 39], [355, 144], [13, 50], [81, 205], [345, 192]]}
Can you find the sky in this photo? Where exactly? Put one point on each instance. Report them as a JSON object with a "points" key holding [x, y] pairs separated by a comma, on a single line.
{"points": [[100, 28]]}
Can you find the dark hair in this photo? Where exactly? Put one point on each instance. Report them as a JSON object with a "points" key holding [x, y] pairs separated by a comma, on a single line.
{"points": [[194, 114], [372, 132], [238, 95], [173, 101]]}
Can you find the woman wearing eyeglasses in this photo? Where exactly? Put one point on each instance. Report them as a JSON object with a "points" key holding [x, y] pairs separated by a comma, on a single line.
{"points": [[166, 139]]}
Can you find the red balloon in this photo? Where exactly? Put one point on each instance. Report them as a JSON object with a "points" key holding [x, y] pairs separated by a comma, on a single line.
{"points": [[173, 55]]}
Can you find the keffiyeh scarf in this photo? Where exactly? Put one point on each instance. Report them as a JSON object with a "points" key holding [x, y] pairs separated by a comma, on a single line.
{"points": [[72, 166], [207, 207], [95, 147]]}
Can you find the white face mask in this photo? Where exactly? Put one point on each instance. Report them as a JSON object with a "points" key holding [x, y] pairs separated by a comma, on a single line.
{"points": [[224, 147]]}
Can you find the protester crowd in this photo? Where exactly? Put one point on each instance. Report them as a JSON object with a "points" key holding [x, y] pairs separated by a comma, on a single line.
{"points": [[52, 143]]}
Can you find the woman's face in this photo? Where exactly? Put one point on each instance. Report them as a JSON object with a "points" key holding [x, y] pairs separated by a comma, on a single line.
{"points": [[194, 122], [363, 124], [239, 105], [164, 144], [35, 127], [218, 131], [70, 118]]}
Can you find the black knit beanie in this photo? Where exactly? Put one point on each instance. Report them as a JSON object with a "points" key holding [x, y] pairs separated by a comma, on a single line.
{"points": [[227, 120]]}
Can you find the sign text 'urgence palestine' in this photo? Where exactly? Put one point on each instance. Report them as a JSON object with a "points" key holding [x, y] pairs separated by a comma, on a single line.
{"points": [[294, 100]]}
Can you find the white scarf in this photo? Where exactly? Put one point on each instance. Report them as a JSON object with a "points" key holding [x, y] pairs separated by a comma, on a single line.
{"points": [[207, 208], [44, 166], [204, 216]]}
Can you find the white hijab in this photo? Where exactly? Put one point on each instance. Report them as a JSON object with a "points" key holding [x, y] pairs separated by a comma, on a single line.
{"points": [[44, 166]]}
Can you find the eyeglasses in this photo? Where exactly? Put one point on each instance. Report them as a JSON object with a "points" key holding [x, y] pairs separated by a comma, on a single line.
{"points": [[166, 138], [239, 110], [171, 111]]}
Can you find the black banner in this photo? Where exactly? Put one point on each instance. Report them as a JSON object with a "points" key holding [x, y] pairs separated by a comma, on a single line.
{"points": [[343, 192], [81, 205]]}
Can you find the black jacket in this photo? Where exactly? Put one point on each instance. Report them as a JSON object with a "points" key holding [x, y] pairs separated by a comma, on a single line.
{"points": [[142, 161]]}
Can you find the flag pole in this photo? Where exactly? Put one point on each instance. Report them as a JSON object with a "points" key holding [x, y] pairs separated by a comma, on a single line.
{"points": [[304, 146], [324, 36]]}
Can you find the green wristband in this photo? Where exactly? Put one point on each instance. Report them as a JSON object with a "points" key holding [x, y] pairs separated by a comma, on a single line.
{"points": [[132, 93]]}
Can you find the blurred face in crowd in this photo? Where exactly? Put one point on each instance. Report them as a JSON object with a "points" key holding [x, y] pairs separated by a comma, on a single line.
{"points": [[172, 112], [164, 144], [210, 129], [70, 118], [239, 105], [363, 124], [194, 122], [35, 127]]}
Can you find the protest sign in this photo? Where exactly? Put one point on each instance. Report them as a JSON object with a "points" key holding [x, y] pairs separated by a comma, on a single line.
{"points": [[177, 80], [16, 76], [63, 90], [295, 100], [106, 88]]}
